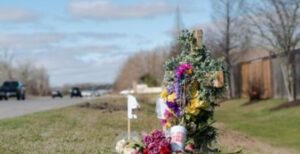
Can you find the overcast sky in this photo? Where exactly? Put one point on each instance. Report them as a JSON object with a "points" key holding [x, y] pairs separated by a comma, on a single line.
{"points": [[81, 41]]}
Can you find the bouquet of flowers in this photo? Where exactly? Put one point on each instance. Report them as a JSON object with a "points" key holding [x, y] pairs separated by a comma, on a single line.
{"points": [[153, 143], [156, 143], [193, 82]]}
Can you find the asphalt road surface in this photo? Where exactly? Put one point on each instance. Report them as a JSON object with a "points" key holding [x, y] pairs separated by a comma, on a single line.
{"points": [[13, 108]]}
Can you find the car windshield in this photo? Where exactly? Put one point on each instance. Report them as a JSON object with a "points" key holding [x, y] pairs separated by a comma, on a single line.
{"points": [[10, 84]]}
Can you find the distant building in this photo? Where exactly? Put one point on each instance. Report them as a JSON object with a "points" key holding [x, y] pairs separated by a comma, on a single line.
{"points": [[141, 89]]}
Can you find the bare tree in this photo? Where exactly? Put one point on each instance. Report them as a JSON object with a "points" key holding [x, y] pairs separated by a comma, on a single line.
{"points": [[140, 64], [35, 78], [6, 65], [278, 24], [228, 30]]}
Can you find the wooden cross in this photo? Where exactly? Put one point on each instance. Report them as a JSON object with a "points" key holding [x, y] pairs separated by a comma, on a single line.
{"points": [[198, 34], [219, 75]]}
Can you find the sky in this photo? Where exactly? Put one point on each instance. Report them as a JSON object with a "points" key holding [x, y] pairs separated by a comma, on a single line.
{"points": [[80, 41]]}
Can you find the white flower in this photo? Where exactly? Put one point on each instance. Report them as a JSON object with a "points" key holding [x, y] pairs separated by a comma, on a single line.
{"points": [[128, 150], [120, 146]]}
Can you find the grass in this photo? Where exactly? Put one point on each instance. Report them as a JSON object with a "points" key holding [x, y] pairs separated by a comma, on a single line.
{"points": [[280, 128], [92, 129], [72, 130]]}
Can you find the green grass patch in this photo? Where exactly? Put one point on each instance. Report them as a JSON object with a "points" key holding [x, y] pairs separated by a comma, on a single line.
{"points": [[92, 129], [73, 129], [280, 128]]}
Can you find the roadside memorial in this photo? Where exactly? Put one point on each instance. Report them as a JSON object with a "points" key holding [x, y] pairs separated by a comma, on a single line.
{"points": [[193, 82]]}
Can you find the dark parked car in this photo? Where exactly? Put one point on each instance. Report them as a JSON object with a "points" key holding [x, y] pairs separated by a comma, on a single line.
{"points": [[75, 92], [12, 89], [56, 94]]}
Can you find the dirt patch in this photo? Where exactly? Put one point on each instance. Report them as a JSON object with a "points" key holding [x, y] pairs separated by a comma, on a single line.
{"points": [[233, 141], [105, 107], [291, 104]]}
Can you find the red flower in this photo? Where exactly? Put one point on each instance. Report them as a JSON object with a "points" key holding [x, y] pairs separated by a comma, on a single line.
{"points": [[165, 150], [145, 151]]}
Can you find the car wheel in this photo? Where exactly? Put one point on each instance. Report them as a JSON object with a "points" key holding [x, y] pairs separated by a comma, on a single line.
{"points": [[6, 98], [24, 97]]}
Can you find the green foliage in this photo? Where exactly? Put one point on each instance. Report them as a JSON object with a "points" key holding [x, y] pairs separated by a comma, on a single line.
{"points": [[199, 126]]}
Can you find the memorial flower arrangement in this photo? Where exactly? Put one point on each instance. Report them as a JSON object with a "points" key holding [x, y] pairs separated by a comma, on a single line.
{"points": [[153, 143], [193, 82], [156, 143]]}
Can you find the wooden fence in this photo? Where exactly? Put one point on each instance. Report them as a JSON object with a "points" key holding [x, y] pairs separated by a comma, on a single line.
{"points": [[265, 72], [256, 73]]}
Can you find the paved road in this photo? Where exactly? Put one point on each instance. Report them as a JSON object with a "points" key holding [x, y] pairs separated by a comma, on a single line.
{"points": [[13, 108]]}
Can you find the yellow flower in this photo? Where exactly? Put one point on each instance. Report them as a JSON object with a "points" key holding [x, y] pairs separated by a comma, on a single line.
{"points": [[172, 97], [195, 105], [192, 110], [168, 125], [164, 94]]}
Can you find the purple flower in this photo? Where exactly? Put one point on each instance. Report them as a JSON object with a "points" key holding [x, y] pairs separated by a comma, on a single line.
{"points": [[147, 139], [174, 107], [170, 88], [179, 74], [177, 91]]}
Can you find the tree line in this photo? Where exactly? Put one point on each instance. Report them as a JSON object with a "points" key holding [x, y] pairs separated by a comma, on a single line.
{"points": [[144, 66], [238, 26], [36, 79]]}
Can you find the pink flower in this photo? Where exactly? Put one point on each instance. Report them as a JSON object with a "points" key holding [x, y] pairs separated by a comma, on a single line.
{"points": [[156, 143], [147, 139], [167, 114], [157, 134], [182, 68], [163, 122]]}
